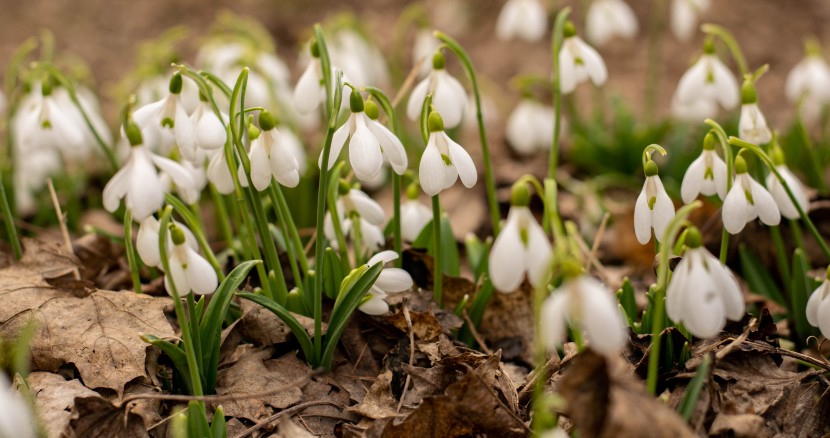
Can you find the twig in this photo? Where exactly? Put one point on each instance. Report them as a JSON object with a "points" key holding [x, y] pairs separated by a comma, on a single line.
{"points": [[737, 342], [407, 83], [62, 222], [475, 333], [408, 319], [279, 414], [601, 271], [600, 234]]}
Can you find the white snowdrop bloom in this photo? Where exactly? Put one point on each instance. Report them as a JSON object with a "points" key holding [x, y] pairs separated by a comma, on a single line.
{"points": [[209, 130], [370, 143], [586, 303], [147, 241], [694, 111], [424, 46], [32, 170], [219, 174], [448, 95], [579, 62], [521, 247], [270, 156], [706, 175], [89, 102], [191, 194], [746, 201], [818, 307], [654, 209], [138, 181], [444, 161], [752, 126], [609, 18], [702, 292], [310, 91], [295, 146], [166, 122], [779, 193], [390, 280], [189, 271], [353, 204], [359, 59], [530, 127], [684, 17], [414, 217], [16, 417], [45, 121], [708, 80], [810, 77], [523, 19]]}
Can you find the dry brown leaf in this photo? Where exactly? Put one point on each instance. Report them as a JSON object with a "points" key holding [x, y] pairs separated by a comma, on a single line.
{"points": [[290, 429], [265, 329], [94, 417], [507, 324], [379, 401], [54, 398]]}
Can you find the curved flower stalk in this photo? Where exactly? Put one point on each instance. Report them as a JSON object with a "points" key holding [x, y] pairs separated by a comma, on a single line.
{"points": [[746, 201], [607, 19], [138, 181], [684, 17], [448, 95], [779, 194], [530, 127], [818, 306], [189, 270], [390, 280], [16, 417], [586, 303], [166, 122], [522, 19], [579, 62], [370, 143], [270, 156], [705, 85], [521, 247], [414, 215], [360, 217], [752, 126], [444, 161], [654, 209], [703, 293], [706, 175]]}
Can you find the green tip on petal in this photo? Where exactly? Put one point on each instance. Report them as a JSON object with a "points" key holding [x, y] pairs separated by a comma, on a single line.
{"points": [[371, 109], [356, 102], [748, 93], [693, 238], [520, 195], [740, 165], [267, 121], [133, 134], [176, 84], [650, 168], [438, 60], [176, 234], [709, 142], [435, 122]]}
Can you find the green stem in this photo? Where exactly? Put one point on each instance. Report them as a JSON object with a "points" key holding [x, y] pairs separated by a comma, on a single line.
{"points": [[8, 220], [731, 44], [290, 248], [357, 239], [653, 68], [720, 133], [132, 259], [222, 217], [276, 189], [556, 45], [781, 255], [325, 66], [489, 179], [660, 292], [195, 224], [815, 175], [438, 267]]}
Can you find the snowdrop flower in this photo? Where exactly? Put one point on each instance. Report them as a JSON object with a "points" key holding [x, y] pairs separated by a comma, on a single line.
{"points": [[684, 16], [219, 174], [752, 126], [190, 194], [708, 80], [44, 121], [444, 160], [609, 18], [448, 95], [584, 302], [166, 122], [32, 170], [706, 174], [189, 271], [425, 45], [523, 19], [147, 241], [209, 130], [370, 143], [358, 214], [138, 181], [779, 193], [414, 215], [579, 62], [810, 77], [654, 209], [694, 111], [359, 59], [310, 91], [521, 247], [746, 201], [702, 292], [16, 417], [530, 127], [818, 306], [390, 280], [270, 156]]}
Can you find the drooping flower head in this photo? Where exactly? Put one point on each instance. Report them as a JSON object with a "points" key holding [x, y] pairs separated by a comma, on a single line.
{"points": [[448, 95], [444, 160], [684, 17], [310, 90], [414, 215], [270, 156], [654, 209], [810, 78], [752, 126], [360, 218], [523, 19], [189, 271], [579, 62], [167, 123], [521, 248], [705, 85], [210, 133], [746, 201], [818, 306], [609, 18], [777, 190], [706, 175], [390, 280], [370, 143], [530, 127], [702, 292]]}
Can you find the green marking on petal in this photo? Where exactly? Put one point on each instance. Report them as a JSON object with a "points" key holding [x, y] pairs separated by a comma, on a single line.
{"points": [[748, 195], [709, 174], [167, 122], [524, 236], [651, 201], [446, 159], [46, 124]]}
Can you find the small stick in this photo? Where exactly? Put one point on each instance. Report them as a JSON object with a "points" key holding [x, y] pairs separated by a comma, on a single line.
{"points": [[62, 221], [475, 333], [407, 83], [279, 414]]}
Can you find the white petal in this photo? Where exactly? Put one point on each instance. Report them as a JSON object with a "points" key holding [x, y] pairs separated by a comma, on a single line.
{"points": [[594, 65], [823, 314], [383, 257], [284, 164], [507, 257], [780, 195], [553, 322], [567, 68], [414, 217], [374, 306], [703, 312], [520, 129], [116, 188], [394, 280], [416, 99], [176, 171], [539, 253], [179, 278], [735, 209], [642, 218], [147, 242], [600, 316], [719, 171], [726, 284], [450, 99], [183, 131], [219, 174], [392, 147], [145, 194], [307, 92], [210, 133], [463, 163], [691, 84], [764, 204], [815, 299], [728, 92], [364, 151], [693, 180], [663, 210], [260, 166], [432, 170], [200, 275], [337, 141], [678, 287], [368, 209]]}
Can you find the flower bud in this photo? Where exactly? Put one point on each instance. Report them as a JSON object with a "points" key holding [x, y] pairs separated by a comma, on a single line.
{"points": [[413, 192], [709, 142], [748, 93], [650, 168], [177, 235], [343, 187], [314, 48], [740, 165], [371, 109], [693, 238], [569, 30]]}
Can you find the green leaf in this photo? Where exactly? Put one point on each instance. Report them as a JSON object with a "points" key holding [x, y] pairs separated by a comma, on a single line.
{"points": [[333, 273], [176, 355], [626, 297], [451, 257], [211, 325], [282, 313], [758, 277], [687, 404], [197, 422], [353, 289], [476, 311], [218, 429], [477, 252], [802, 285]]}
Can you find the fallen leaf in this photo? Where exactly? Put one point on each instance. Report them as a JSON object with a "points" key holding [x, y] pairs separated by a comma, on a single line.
{"points": [[94, 417], [290, 429], [54, 398], [379, 401]]}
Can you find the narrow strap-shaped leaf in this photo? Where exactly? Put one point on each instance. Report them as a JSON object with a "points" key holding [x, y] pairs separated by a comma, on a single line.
{"points": [[218, 429], [197, 422], [176, 355], [687, 404], [299, 331]]}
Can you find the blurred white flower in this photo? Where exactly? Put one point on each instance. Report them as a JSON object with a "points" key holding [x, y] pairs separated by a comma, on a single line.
{"points": [[706, 174], [684, 17], [521, 247], [422, 49], [414, 217], [444, 161], [390, 280], [654, 209], [586, 303], [310, 90], [209, 129], [270, 156], [746, 201], [16, 417], [779, 193], [695, 111], [219, 174], [522, 19], [752, 126], [166, 122], [356, 209], [702, 292], [448, 95], [579, 62], [818, 307], [710, 81], [359, 59], [810, 77], [147, 241], [609, 18], [530, 127], [189, 271], [45, 120]]}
